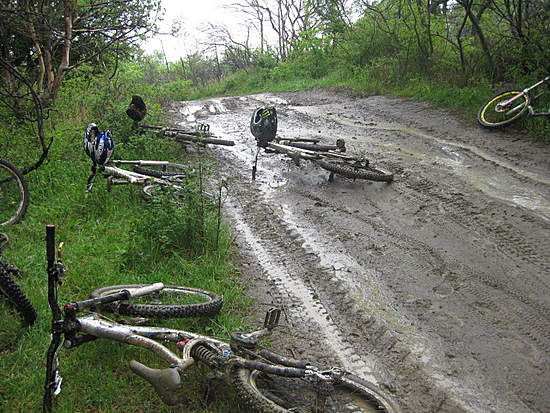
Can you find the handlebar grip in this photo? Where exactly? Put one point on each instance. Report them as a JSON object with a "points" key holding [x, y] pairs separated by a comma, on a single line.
{"points": [[50, 244]]}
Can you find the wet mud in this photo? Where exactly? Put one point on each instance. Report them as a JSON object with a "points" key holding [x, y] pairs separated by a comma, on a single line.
{"points": [[435, 287]]}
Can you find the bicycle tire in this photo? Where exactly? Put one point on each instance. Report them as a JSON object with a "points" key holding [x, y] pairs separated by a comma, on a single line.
{"points": [[14, 194], [350, 389], [210, 305], [162, 171], [487, 110], [364, 172], [16, 297]]}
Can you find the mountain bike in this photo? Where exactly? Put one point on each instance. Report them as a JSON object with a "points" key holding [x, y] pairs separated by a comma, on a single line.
{"points": [[200, 135], [507, 107], [264, 381], [11, 291], [153, 176], [330, 158], [14, 194]]}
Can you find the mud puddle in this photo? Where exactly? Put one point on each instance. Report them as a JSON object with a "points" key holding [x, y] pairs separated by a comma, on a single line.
{"points": [[436, 286], [508, 186]]}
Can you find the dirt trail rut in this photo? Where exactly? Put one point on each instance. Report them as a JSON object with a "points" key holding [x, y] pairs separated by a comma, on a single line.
{"points": [[437, 286]]}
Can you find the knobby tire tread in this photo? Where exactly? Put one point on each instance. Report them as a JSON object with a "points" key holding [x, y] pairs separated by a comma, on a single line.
{"points": [[255, 401], [208, 308], [23, 190], [249, 395], [158, 173], [17, 298], [372, 174]]}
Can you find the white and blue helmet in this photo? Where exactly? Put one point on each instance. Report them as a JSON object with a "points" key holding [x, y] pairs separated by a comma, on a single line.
{"points": [[98, 145]]}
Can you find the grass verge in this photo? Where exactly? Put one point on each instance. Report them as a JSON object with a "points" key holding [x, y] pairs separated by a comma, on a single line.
{"points": [[110, 238]]}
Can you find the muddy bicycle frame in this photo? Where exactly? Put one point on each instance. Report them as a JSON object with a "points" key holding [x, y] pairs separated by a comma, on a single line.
{"points": [[200, 136], [167, 381], [120, 176], [328, 157]]}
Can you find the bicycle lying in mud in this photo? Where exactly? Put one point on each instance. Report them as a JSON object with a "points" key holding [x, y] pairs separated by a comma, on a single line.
{"points": [[263, 380], [11, 291], [263, 126], [508, 107], [14, 194], [201, 135], [330, 158]]}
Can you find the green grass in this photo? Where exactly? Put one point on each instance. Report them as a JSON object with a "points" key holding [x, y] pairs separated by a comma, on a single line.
{"points": [[110, 238]]}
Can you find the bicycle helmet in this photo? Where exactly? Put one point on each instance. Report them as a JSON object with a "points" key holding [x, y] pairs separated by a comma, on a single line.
{"points": [[98, 145], [263, 125]]}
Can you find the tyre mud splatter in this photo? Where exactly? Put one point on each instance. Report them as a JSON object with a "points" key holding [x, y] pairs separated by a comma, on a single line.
{"points": [[435, 287]]}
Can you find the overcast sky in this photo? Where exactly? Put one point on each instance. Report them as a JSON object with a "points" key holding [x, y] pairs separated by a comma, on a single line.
{"points": [[194, 14]]}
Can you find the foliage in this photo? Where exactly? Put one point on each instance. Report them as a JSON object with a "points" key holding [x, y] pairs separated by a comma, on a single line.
{"points": [[110, 238], [41, 44]]}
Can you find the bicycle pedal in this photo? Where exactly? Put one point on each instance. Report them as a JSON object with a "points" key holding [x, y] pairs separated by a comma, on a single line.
{"points": [[272, 317]]}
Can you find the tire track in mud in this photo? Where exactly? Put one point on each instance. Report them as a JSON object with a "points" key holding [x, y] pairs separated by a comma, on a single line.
{"points": [[286, 277], [482, 296], [483, 285], [482, 290], [508, 240], [455, 204], [326, 294]]}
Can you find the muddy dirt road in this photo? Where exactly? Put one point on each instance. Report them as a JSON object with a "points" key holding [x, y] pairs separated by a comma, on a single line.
{"points": [[436, 286]]}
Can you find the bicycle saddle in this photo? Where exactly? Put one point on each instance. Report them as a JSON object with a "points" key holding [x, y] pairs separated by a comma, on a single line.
{"points": [[167, 382]]}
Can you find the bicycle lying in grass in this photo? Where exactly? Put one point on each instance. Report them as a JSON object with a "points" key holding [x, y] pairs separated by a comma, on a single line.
{"points": [[263, 126], [507, 107], [201, 135], [11, 291], [154, 177], [14, 194], [264, 381]]}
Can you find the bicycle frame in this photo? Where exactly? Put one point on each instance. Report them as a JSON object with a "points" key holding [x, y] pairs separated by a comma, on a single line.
{"points": [[306, 154], [126, 177], [201, 135], [95, 326], [502, 107]]}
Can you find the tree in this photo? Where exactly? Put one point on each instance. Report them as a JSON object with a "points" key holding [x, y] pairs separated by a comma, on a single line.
{"points": [[44, 40]]}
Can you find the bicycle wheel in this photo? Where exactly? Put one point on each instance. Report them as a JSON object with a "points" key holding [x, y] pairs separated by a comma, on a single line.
{"points": [[269, 393], [171, 302], [357, 171], [495, 113], [163, 171], [15, 296], [14, 194]]}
